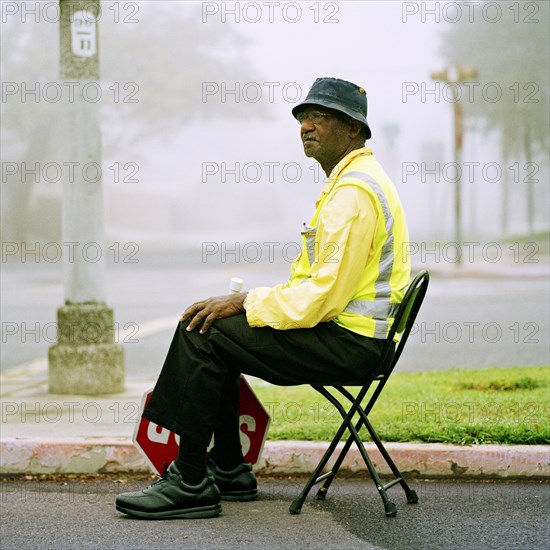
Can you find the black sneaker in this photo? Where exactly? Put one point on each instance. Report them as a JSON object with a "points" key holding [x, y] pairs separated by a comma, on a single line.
{"points": [[170, 497], [237, 484]]}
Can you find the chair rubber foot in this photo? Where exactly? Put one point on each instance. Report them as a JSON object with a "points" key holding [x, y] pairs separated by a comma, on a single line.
{"points": [[321, 493], [391, 509], [296, 507], [412, 497]]}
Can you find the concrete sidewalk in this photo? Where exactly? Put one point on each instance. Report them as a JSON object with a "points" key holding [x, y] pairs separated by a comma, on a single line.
{"points": [[43, 433]]}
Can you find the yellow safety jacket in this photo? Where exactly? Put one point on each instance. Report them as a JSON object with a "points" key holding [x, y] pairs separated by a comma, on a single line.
{"points": [[353, 268]]}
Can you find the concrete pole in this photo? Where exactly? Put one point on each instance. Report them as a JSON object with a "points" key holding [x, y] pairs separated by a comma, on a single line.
{"points": [[86, 359], [458, 137], [530, 190]]}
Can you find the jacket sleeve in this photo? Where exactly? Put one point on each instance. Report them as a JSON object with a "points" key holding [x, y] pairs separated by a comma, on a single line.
{"points": [[343, 243]]}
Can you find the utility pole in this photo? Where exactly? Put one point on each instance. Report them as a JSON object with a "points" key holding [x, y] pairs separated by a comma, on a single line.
{"points": [[456, 74], [86, 360]]}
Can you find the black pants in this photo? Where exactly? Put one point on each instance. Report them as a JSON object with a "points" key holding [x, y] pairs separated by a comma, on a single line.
{"points": [[198, 387]]}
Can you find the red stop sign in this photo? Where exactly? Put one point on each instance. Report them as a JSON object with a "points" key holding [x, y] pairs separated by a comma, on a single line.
{"points": [[159, 445]]}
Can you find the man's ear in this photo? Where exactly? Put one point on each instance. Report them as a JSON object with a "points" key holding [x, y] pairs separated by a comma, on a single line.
{"points": [[354, 128]]}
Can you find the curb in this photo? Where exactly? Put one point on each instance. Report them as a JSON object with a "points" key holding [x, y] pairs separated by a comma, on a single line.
{"points": [[98, 455]]}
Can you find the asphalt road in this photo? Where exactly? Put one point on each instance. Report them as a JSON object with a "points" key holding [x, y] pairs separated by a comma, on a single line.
{"points": [[464, 322], [76, 513]]}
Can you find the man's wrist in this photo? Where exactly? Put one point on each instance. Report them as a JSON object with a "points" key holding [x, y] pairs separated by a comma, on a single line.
{"points": [[244, 301]]}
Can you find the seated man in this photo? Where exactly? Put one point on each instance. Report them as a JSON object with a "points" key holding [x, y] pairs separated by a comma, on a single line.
{"points": [[324, 326]]}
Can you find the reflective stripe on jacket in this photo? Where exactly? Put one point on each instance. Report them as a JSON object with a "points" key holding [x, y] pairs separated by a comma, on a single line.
{"points": [[385, 278]]}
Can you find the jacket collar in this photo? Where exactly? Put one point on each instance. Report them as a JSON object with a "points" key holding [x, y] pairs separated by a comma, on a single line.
{"points": [[338, 170]]}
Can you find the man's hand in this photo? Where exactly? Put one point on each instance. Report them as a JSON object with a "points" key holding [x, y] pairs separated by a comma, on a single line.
{"points": [[207, 311]]}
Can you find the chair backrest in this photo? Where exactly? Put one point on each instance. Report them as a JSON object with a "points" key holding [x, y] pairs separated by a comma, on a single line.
{"points": [[403, 323]]}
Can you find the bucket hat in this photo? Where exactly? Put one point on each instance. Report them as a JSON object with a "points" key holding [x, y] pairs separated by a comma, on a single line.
{"points": [[340, 95]]}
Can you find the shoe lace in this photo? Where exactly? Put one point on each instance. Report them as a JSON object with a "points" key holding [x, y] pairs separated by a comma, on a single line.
{"points": [[163, 476]]}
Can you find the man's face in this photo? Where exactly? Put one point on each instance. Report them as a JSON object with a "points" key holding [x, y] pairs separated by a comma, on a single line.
{"points": [[325, 139]]}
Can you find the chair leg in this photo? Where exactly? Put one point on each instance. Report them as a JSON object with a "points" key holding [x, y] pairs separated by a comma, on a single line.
{"points": [[412, 497], [296, 506], [322, 492], [389, 506], [354, 436], [297, 503]]}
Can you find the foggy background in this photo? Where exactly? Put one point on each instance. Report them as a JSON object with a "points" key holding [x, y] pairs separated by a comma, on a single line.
{"points": [[173, 139]]}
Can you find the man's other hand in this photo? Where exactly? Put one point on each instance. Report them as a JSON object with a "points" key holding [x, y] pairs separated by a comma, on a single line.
{"points": [[218, 307]]}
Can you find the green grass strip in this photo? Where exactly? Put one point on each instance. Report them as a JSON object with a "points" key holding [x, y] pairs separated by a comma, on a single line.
{"points": [[459, 406]]}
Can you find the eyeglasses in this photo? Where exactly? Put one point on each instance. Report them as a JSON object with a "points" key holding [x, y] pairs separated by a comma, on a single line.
{"points": [[315, 116]]}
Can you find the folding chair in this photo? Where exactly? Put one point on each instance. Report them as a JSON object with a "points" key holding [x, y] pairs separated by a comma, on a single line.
{"points": [[404, 319]]}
